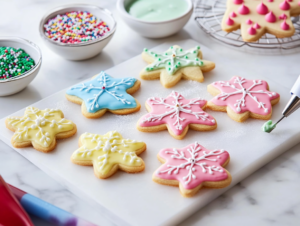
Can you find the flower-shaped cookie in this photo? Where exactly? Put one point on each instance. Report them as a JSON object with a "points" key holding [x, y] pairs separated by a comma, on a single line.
{"points": [[176, 114], [257, 17], [243, 98], [40, 128], [108, 153], [192, 168], [175, 64], [104, 93]]}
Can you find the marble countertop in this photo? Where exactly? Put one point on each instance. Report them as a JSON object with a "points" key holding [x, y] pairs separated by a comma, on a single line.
{"points": [[267, 197]]}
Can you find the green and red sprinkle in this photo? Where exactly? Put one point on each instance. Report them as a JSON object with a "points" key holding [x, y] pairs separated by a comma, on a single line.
{"points": [[14, 62], [75, 27]]}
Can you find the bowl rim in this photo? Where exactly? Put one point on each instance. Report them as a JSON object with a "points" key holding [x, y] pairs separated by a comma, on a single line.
{"points": [[106, 11], [121, 8], [31, 44]]}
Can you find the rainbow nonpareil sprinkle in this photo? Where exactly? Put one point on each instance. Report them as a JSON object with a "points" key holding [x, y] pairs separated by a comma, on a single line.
{"points": [[75, 27], [14, 62]]}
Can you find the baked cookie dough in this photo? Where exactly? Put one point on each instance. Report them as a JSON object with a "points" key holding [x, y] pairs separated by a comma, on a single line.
{"points": [[175, 64], [105, 93], [257, 17], [40, 128], [243, 98], [108, 153], [192, 168]]}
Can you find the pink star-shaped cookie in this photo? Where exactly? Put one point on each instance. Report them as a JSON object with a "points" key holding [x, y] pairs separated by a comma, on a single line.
{"points": [[193, 167], [176, 114], [243, 98]]}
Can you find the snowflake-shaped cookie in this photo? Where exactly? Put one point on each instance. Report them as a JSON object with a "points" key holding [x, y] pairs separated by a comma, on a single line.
{"points": [[243, 98], [40, 128], [193, 167], [176, 114], [257, 17], [108, 153], [104, 93], [175, 64]]}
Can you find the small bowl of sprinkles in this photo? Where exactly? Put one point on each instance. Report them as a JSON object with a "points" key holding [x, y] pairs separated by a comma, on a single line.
{"points": [[77, 31], [20, 62]]}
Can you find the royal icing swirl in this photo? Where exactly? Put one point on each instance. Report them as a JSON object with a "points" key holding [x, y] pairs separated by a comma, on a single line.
{"points": [[39, 126], [192, 165], [105, 92], [177, 112], [174, 59], [105, 151], [243, 95]]}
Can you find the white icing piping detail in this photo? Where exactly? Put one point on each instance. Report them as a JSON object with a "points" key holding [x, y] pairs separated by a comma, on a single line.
{"points": [[242, 90], [39, 122], [109, 146], [104, 88], [192, 161], [176, 109]]}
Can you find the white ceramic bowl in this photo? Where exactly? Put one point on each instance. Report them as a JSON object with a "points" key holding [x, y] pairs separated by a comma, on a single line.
{"points": [[15, 85], [84, 50], [158, 29]]}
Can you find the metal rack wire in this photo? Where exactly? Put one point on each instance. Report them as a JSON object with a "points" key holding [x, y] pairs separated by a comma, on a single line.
{"points": [[209, 14]]}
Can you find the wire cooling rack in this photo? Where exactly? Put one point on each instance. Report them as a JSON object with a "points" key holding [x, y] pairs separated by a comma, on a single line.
{"points": [[209, 14]]}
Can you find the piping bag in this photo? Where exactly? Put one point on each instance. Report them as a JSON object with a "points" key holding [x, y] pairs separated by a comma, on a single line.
{"points": [[11, 212]]}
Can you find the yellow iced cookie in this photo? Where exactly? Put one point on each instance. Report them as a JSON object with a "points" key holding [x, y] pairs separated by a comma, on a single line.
{"points": [[40, 128], [108, 153]]}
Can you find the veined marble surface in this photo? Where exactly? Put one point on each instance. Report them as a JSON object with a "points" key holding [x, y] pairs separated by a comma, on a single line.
{"points": [[268, 197]]}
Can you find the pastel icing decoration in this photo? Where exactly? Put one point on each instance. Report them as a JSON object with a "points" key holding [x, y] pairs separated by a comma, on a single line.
{"points": [[108, 153], [256, 26], [171, 65], [244, 95], [176, 114], [244, 10], [39, 128], [268, 126], [237, 2], [249, 21], [283, 16], [105, 92], [284, 25], [262, 9], [251, 31], [230, 21], [270, 0], [270, 17], [233, 14], [284, 5], [193, 167]]}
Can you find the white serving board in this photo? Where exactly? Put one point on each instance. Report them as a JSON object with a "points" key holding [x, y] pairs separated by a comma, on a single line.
{"points": [[134, 199]]}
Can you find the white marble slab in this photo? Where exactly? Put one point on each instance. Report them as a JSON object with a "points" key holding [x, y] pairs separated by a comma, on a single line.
{"points": [[273, 188], [123, 195]]}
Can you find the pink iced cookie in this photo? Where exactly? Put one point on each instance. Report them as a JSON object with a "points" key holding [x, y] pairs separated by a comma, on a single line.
{"points": [[176, 114], [243, 98], [192, 168]]}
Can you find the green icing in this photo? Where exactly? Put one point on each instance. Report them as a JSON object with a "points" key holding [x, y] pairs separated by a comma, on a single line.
{"points": [[268, 126], [173, 59], [157, 10]]}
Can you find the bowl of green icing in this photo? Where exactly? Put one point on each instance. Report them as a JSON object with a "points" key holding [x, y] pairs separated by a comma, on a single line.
{"points": [[155, 18]]}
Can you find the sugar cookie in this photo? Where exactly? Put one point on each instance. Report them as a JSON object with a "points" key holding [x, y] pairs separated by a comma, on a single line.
{"points": [[176, 114], [175, 64], [192, 168], [104, 93], [108, 153], [257, 17], [243, 98], [40, 128]]}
